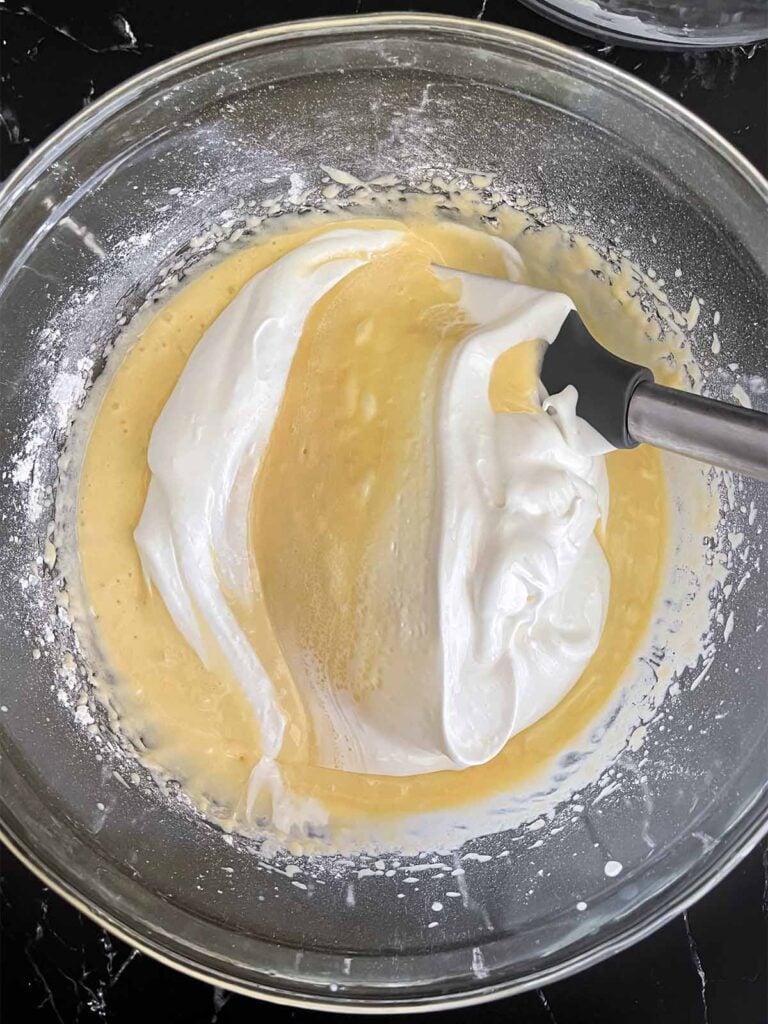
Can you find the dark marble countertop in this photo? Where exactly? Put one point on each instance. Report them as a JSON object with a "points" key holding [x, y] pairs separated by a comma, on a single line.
{"points": [[707, 966]]}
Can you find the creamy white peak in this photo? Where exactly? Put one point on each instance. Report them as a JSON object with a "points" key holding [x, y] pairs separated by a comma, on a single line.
{"points": [[521, 582]]}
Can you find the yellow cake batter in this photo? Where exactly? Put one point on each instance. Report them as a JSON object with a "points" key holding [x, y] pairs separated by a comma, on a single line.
{"points": [[198, 726]]}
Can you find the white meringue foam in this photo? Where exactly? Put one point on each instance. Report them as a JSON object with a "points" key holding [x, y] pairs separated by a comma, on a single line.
{"points": [[520, 581], [523, 581], [205, 451]]}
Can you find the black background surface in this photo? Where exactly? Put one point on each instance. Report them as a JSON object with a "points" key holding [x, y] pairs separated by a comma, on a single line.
{"points": [[707, 966]]}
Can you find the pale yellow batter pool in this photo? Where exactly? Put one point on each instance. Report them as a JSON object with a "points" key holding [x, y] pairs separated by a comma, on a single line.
{"points": [[198, 726]]}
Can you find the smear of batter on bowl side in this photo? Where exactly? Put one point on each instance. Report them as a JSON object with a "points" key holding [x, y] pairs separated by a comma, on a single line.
{"points": [[352, 595]]}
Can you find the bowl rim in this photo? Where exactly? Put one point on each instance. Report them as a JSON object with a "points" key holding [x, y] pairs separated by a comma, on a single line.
{"points": [[741, 837], [89, 117]]}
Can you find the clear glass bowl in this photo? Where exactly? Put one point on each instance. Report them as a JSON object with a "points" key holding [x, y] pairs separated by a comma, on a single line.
{"points": [[663, 24], [101, 212]]}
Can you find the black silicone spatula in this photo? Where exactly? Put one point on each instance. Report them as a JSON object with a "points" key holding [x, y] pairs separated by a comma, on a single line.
{"points": [[624, 404]]}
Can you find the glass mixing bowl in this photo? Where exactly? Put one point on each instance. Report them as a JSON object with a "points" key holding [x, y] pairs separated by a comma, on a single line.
{"points": [[104, 210], [666, 24]]}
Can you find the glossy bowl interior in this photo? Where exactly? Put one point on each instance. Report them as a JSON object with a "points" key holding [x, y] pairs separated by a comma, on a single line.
{"points": [[105, 210]]}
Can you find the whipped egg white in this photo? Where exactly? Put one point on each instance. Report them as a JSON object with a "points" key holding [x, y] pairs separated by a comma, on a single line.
{"points": [[517, 584]]}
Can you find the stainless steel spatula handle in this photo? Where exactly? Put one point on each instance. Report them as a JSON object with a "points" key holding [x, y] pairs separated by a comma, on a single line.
{"points": [[716, 432]]}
